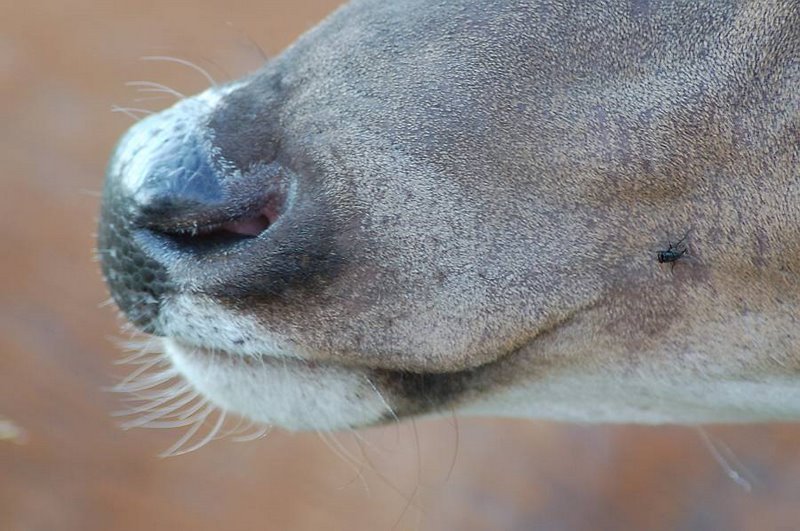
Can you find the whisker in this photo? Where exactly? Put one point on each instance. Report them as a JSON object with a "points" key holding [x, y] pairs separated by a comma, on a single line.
{"points": [[149, 98], [358, 437], [386, 481], [730, 471], [184, 62], [147, 383], [140, 347], [198, 423], [253, 44], [186, 419], [145, 357], [192, 410], [419, 475], [150, 86], [382, 399], [144, 368], [205, 440], [150, 344], [157, 397], [235, 429], [167, 424], [342, 453], [159, 401], [106, 303], [361, 466], [258, 434], [129, 114], [159, 414], [131, 111], [146, 396], [457, 445]]}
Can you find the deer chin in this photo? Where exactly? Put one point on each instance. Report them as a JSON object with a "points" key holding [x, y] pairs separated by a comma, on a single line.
{"points": [[290, 392]]}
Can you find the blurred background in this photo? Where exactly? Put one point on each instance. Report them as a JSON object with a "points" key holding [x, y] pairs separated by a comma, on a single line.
{"points": [[65, 464]]}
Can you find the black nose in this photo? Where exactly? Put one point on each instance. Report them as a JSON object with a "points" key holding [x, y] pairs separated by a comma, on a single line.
{"points": [[178, 187], [137, 281], [159, 180], [169, 200]]}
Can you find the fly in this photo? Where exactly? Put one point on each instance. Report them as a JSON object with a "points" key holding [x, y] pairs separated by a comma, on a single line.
{"points": [[673, 253]]}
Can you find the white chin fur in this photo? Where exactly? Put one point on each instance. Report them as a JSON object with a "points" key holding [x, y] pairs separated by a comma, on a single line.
{"points": [[289, 393]]}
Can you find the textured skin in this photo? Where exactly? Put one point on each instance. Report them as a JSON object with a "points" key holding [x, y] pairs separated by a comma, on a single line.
{"points": [[480, 191]]}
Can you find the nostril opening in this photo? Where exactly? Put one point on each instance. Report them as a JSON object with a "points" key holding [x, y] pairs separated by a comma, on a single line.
{"points": [[215, 235], [211, 236], [251, 227]]}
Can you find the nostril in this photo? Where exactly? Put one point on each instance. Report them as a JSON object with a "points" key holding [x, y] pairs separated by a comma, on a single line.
{"points": [[255, 225], [248, 226], [209, 238], [213, 232]]}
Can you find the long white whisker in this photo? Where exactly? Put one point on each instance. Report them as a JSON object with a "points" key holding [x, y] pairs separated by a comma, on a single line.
{"points": [[131, 111], [149, 98], [235, 429], [136, 358], [183, 62], [192, 410], [382, 399], [150, 86], [730, 471], [159, 400], [160, 413], [156, 394], [147, 383], [106, 303], [189, 433], [142, 359], [141, 370], [140, 351], [158, 397], [205, 440], [263, 431], [168, 424]]}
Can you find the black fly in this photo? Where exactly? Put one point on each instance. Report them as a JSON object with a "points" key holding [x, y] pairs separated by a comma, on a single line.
{"points": [[673, 253]]}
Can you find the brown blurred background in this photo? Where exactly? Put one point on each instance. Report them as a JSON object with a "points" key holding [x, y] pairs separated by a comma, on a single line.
{"points": [[66, 465]]}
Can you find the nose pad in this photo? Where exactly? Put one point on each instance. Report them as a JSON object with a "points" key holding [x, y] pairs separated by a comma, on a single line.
{"points": [[168, 204], [137, 282], [180, 188], [179, 191], [160, 181], [163, 170]]}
